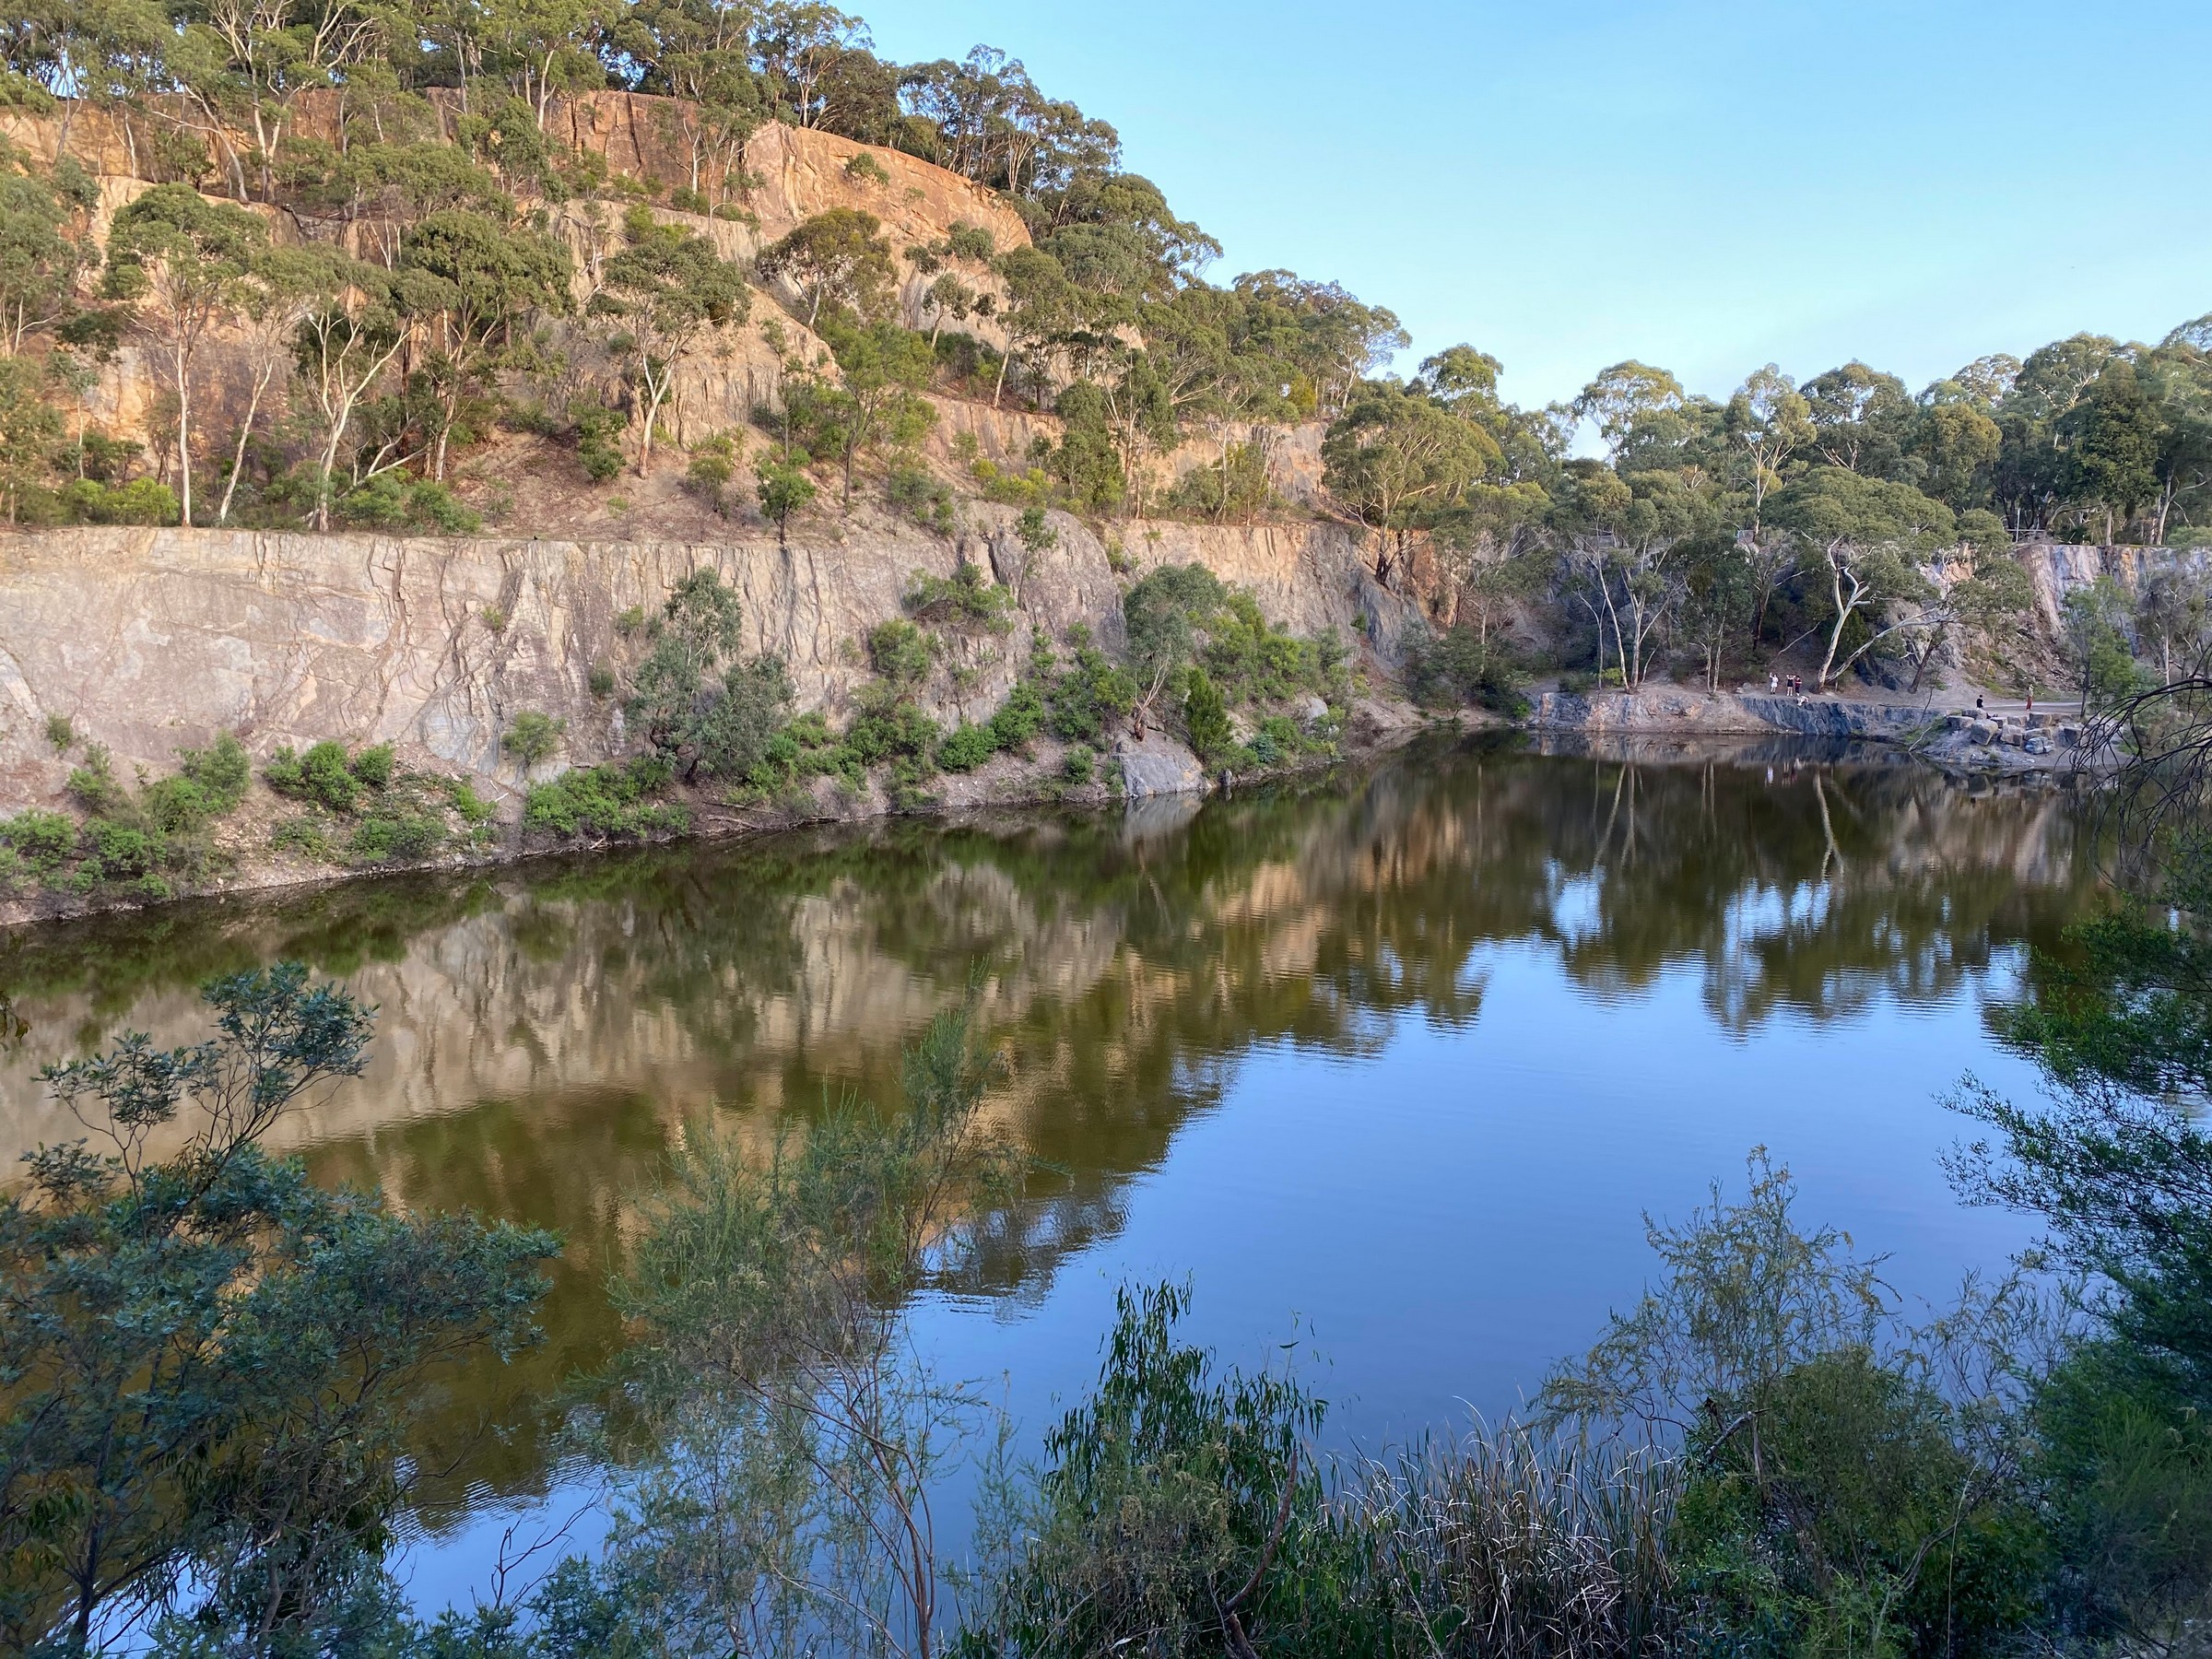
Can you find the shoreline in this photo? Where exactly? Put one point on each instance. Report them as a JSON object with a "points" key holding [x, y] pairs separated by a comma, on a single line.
{"points": [[1386, 727], [1681, 723], [1950, 740]]}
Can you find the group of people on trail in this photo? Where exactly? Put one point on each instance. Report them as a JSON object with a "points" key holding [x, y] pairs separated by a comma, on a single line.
{"points": [[1797, 684]]}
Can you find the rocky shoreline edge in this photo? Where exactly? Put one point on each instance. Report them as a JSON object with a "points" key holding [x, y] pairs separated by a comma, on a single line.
{"points": [[1957, 741], [1157, 770]]}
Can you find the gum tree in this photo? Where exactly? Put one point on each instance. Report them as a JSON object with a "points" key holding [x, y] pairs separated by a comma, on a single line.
{"points": [[188, 262]]}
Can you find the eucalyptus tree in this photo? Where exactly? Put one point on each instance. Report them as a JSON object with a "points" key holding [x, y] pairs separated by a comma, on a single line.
{"points": [[1624, 397], [539, 46], [1042, 307], [1771, 418], [1993, 595], [2118, 437], [698, 52], [1622, 561], [882, 372], [1861, 417], [465, 279], [2174, 607], [1959, 444], [1394, 455], [1870, 534], [41, 260], [840, 258], [247, 63], [350, 334], [1324, 335], [797, 45], [1718, 588], [666, 288], [187, 262]]}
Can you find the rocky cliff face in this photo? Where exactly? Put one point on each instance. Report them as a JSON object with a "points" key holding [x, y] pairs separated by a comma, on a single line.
{"points": [[149, 640]]}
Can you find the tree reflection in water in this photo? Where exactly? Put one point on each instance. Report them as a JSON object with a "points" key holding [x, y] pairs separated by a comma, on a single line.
{"points": [[543, 1032]]}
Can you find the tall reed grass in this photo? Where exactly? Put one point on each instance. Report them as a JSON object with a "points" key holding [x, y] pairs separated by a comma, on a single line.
{"points": [[1513, 1544]]}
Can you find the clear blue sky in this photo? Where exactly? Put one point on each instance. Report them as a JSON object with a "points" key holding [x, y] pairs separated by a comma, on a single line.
{"points": [[1708, 185]]}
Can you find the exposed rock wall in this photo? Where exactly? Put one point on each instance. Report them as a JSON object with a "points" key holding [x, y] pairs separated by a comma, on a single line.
{"points": [[2037, 743], [149, 640], [2057, 569]]}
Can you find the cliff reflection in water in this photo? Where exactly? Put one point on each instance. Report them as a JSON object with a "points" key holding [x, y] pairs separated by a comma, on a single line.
{"points": [[544, 1032]]}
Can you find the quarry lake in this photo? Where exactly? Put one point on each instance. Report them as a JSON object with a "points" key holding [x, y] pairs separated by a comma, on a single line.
{"points": [[1389, 1065]]}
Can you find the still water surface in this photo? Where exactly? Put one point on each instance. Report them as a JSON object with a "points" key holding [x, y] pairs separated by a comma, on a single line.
{"points": [[1390, 1065]]}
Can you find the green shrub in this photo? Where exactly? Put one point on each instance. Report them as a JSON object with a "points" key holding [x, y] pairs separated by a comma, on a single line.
{"points": [[886, 728], [921, 497], [1019, 717], [1092, 689], [708, 476], [223, 769], [393, 501], [601, 680], [61, 731], [1079, 764], [372, 766], [176, 805], [45, 840], [532, 737], [1278, 740], [472, 807], [806, 748], [966, 599], [967, 746], [1841, 1515], [306, 835], [140, 501], [596, 448], [123, 851], [900, 653], [322, 776], [1205, 718], [383, 837], [94, 783], [612, 800], [1171, 1486]]}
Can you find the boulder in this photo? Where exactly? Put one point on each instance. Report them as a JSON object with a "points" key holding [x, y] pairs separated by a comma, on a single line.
{"points": [[1156, 764]]}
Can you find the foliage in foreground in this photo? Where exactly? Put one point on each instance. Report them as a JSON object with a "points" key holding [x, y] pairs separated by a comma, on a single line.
{"points": [[210, 1363]]}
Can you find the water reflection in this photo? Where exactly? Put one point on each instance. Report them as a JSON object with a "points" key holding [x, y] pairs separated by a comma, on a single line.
{"points": [[544, 1032]]}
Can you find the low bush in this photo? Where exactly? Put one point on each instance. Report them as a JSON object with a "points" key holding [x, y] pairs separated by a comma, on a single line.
{"points": [[44, 841], [386, 836], [394, 500], [322, 777], [140, 501], [613, 800], [967, 746]]}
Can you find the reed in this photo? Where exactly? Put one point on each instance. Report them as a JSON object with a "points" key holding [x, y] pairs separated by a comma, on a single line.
{"points": [[1510, 1542]]}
